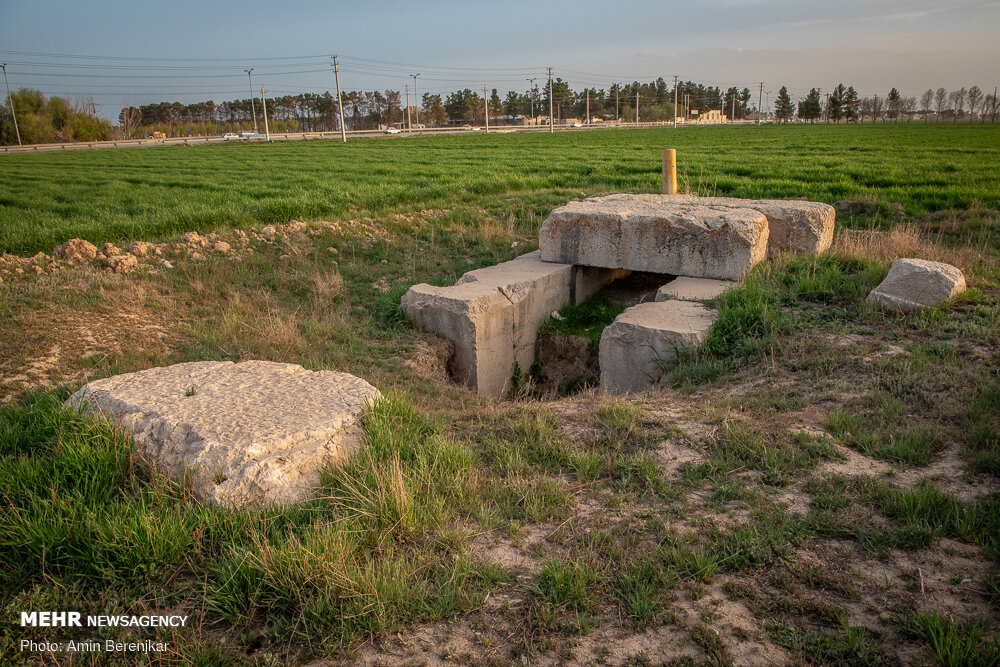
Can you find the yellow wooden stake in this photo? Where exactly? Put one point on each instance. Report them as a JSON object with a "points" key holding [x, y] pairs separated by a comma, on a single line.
{"points": [[669, 172]]}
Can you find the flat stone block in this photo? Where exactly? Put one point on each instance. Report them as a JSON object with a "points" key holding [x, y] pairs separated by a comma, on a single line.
{"points": [[640, 234], [693, 289], [492, 315], [912, 284], [643, 343], [246, 433], [793, 225]]}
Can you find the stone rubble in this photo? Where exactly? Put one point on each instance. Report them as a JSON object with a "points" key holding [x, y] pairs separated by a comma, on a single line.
{"points": [[693, 289]]}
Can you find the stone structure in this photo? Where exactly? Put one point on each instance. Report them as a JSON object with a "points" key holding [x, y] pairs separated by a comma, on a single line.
{"points": [[492, 315], [693, 289], [643, 343], [252, 432], [638, 233], [912, 284]]}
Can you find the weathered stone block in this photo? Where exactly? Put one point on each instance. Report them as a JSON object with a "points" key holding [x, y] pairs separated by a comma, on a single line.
{"points": [[492, 315], [686, 288], [252, 432], [643, 343], [793, 225], [637, 233], [912, 284]]}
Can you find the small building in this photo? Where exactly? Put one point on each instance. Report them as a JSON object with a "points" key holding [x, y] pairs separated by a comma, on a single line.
{"points": [[712, 116]]}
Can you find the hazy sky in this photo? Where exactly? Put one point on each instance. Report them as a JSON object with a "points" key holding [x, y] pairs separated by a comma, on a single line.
{"points": [[191, 51]]}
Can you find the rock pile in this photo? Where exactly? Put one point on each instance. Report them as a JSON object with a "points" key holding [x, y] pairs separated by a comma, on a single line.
{"points": [[700, 245]]}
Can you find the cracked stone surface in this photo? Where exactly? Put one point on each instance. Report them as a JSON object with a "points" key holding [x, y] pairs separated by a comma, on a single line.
{"points": [[793, 225], [643, 233], [643, 343], [912, 284], [245, 433]]}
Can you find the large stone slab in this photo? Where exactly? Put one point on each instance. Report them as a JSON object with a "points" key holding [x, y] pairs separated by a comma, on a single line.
{"points": [[637, 233], [686, 288], [252, 432], [912, 284], [492, 315], [643, 343], [793, 225]]}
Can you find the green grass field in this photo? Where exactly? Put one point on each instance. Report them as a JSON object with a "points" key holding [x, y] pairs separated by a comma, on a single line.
{"points": [[818, 483], [119, 195]]}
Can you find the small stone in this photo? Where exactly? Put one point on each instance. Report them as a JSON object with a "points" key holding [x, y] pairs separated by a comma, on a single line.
{"points": [[912, 284], [166, 264], [122, 263], [221, 246], [139, 248], [295, 227], [76, 251], [197, 257], [333, 250], [269, 231], [110, 250], [192, 240]]}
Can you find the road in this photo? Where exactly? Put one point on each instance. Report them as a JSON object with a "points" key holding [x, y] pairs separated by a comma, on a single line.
{"points": [[296, 136]]}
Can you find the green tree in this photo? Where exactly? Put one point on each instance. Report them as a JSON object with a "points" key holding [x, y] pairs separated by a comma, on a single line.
{"points": [[893, 104], [835, 104], [783, 107], [811, 108], [851, 102]]}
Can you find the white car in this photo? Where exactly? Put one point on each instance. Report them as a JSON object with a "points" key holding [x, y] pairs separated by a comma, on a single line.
{"points": [[391, 130], [230, 136], [576, 125]]}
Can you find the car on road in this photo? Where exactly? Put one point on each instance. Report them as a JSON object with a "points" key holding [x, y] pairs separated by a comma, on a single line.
{"points": [[230, 136], [576, 125], [391, 130]]}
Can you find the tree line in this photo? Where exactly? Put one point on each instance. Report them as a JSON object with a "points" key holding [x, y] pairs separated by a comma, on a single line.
{"points": [[844, 104], [56, 119]]}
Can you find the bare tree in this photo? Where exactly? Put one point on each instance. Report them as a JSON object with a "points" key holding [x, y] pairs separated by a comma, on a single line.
{"points": [[975, 96], [925, 103], [907, 107], [990, 105], [877, 108], [129, 119], [940, 99], [957, 100]]}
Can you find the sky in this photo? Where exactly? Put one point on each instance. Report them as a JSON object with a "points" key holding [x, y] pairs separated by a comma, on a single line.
{"points": [[191, 51]]}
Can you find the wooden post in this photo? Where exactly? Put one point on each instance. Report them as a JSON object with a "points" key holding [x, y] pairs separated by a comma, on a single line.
{"points": [[669, 172]]}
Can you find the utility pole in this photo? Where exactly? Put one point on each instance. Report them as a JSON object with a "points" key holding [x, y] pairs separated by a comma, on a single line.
{"points": [[254, 111], [416, 98], [409, 126], [617, 88], [637, 106], [733, 119], [14, 116], [551, 129], [340, 101], [263, 105], [675, 101], [588, 106], [760, 99], [486, 108], [531, 97]]}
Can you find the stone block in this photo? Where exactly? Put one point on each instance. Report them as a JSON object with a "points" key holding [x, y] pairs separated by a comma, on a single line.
{"points": [[912, 284], [637, 233], [793, 225], [492, 315], [693, 289], [643, 343], [246, 433]]}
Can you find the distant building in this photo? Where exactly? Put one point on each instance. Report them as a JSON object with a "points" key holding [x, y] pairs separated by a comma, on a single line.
{"points": [[712, 116]]}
